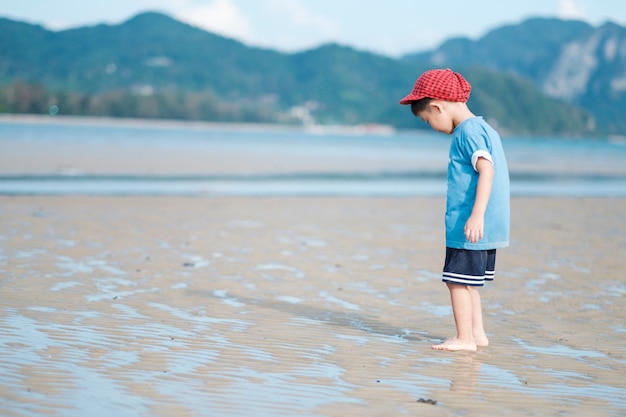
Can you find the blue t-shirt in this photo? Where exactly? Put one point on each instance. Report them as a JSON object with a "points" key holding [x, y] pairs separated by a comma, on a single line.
{"points": [[472, 139]]}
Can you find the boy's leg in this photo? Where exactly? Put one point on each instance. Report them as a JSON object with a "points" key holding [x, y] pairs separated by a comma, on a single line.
{"points": [[462, 299], [474, 268], [478, 330]]}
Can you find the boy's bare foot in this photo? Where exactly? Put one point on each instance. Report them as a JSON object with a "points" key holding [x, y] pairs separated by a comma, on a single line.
{"points": [[455, 345], [481, 341]]}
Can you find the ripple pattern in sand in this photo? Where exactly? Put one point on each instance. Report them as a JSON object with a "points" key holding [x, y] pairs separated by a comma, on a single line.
{"points": [[258, 311]]}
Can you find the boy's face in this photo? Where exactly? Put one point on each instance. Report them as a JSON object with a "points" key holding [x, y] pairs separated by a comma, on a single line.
{"points": [[436, 116]]}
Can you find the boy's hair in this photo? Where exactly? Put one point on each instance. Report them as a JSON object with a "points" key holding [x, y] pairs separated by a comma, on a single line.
{"points": [[418, 106]]}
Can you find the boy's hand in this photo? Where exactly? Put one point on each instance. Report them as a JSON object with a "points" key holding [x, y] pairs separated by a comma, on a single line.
{"points": [[474, 228]]}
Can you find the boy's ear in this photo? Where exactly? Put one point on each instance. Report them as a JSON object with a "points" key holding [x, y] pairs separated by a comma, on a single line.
{"points": [[435, 106]]}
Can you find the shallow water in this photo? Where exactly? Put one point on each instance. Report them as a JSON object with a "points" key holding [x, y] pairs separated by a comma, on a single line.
{"points": [[73, 156]]}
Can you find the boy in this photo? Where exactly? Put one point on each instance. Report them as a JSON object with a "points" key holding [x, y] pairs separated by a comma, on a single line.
{"points": [[477, 204]]}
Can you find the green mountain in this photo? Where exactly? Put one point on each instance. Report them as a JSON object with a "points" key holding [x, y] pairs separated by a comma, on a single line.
{"points": [[154, 66], [567, 60]]}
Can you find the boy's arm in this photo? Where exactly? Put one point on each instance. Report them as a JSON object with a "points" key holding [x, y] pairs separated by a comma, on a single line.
{"points": [[475, 225]]}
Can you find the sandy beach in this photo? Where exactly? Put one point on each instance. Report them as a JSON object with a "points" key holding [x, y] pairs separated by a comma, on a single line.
{"points": [[161, 306]]}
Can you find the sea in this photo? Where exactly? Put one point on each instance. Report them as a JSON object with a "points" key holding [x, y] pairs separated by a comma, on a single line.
{"points": [[93, 156]]}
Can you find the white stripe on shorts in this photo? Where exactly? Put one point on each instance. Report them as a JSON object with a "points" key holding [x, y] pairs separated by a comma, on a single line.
{"points": [[490, 275], [464, 279]]}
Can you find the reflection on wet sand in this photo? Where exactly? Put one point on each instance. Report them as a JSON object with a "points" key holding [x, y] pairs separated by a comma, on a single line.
{"points": [[467, 370]]}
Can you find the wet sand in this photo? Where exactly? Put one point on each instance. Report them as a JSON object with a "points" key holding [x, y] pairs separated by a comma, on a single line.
{"points": [[140, 306]]}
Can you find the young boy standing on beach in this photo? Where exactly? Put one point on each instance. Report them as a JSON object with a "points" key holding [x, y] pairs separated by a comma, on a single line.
{"points": [[477, 204]]}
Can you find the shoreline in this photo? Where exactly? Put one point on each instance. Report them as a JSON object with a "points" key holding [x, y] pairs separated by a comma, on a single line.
{"points": [[347, 130]]}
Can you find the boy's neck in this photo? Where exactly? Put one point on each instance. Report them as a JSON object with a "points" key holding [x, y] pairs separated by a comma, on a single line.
{"points": [[460, 113]]}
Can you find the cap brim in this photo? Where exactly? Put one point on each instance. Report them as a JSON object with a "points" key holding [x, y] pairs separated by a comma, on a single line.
{"points": [[410, 98]]}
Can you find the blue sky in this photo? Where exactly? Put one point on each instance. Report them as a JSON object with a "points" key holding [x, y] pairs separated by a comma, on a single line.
{"points": [[391, 27]]}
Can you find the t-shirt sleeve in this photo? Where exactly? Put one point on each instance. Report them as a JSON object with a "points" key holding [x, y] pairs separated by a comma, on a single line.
{"points": [[475, 146], [481, 153]]}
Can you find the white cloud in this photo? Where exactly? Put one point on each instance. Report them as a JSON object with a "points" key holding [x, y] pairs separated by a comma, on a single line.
{"points": [[572, 9], [281, 24], [299, 15], [217, 16]]}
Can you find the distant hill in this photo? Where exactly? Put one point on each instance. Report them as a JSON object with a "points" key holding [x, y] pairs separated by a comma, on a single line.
{"points": [[567, 60], [155, 66]]}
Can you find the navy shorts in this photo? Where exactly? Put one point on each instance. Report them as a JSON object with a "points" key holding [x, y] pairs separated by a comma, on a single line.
{"points": [[469, 267]]}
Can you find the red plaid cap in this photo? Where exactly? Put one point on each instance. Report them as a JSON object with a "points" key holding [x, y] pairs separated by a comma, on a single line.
{"points": [[440, 84]]}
